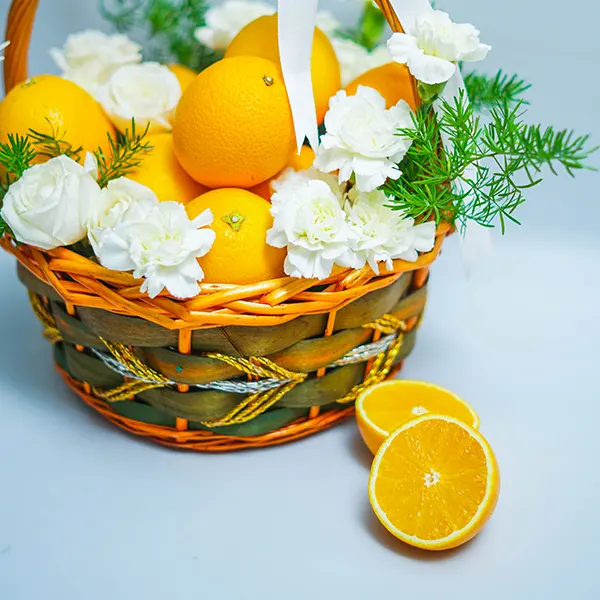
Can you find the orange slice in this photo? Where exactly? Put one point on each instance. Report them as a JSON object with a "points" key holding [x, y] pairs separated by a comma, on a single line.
{"points": [[384, 407], [434, 483]]}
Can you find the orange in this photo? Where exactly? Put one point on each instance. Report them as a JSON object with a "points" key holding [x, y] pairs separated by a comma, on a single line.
{"points": [[384, 407], [393, 81], [184, 75], [434, 483], [240, 254], [259, 38], [304, 160], [46, 102], [233, 126], [160, 171], [298, 162]]}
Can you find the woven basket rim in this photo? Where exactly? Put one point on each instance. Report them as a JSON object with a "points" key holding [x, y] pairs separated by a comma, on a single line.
{"points": [[81, 282]]}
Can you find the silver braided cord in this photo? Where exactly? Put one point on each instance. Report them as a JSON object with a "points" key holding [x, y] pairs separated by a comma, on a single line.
{"points": [[360, 354]]}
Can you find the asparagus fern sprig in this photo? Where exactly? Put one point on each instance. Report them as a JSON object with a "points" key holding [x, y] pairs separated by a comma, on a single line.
{"points": [[53, 144], [487, 91], [124, 155], [485, 169]]}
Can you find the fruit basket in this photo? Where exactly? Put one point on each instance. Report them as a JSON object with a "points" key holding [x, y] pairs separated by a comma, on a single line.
{"points": [[274, 353]]}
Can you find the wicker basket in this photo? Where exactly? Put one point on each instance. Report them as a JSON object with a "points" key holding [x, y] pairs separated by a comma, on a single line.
{"points": [[236, 367]]}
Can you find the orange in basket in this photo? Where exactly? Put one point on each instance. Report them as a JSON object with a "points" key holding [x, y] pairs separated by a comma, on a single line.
{"points": [[240, 253], [233, 126], [47, 102]]}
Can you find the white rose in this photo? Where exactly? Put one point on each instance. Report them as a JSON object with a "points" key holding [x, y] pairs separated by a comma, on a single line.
{"points": [[90, 57], [49, 205], [308, 219], [225, 21], [362, 138], [161, 245], [382, 234], [355, 59], [148, 92], [432, 46], [121, 203]]}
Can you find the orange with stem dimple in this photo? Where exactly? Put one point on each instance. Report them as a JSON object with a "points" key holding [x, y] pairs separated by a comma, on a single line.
{"points": [[382, 408], [434, 483]]}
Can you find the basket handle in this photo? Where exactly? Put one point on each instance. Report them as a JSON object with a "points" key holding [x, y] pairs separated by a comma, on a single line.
{"points": [[390, 15], [19, 26], [18, 30]]}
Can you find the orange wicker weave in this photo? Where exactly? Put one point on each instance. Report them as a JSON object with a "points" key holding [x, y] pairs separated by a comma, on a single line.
{"points": [[78, 300]]}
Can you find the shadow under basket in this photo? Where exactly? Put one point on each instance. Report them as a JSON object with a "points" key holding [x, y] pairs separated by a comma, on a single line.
{"points": [[236, 367]]}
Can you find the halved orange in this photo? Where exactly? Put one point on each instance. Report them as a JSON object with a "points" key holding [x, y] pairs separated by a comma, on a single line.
{"points": [[434, 483], [385, 406]]}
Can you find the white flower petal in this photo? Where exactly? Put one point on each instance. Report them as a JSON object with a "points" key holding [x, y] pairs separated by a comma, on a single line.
{"points": [[480, 53], [402, 47], [430, 69]]}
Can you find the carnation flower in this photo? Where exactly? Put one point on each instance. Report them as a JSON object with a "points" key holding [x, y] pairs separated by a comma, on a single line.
{"points": [[148, 92], [381, 234], [310, 222], [225, 21], [90, 57], [362, 138], [48, 205], [432, 46], [356, 59], [161, 245]]}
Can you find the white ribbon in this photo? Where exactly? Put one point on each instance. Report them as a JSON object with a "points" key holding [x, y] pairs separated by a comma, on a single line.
{"points": [[297, 21]]}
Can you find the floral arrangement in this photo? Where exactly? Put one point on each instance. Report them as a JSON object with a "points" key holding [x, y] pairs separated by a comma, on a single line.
{"points": [[390, 166]]}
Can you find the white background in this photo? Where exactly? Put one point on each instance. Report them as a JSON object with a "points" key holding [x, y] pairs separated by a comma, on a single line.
{"points": [[88, 513]]}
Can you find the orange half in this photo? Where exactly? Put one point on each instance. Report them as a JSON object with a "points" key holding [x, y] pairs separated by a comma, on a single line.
{"points": [[434, 483], [384, 407]]}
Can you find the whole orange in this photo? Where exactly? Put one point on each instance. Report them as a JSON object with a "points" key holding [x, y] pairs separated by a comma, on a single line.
{"points": [[233, 126], [393, 81], [184, 75], [240, 254], [260, 38], [46, 103], [162, 173]]}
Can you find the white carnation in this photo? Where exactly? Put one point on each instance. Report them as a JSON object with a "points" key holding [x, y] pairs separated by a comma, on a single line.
{"points": [[433, 44], [89, 57], [48, 206], [225, 21], [355, 59], [148, 92], [310, 222], [161, 245], [382, 235], [362, 138]]}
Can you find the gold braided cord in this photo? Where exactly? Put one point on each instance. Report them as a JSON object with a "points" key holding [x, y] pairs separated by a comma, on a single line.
{"points": [[253, 406], [379, 371], [127, 391], [387, 324], [51, 332], [127, 357], [257, 367]]}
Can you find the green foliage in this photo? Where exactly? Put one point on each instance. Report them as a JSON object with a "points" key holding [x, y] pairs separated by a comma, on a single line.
{"points": [[124, 155], [54, 144], [166, 25], [486, 168], [370, 29], [16, 156], [485, 92]]}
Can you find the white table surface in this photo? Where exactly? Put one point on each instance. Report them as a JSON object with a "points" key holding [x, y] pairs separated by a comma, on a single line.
{"points": [[90, 513]]}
